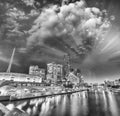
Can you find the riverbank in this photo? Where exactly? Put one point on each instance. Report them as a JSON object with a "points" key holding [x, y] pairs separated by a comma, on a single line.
{"points": [[43, 96], [22, 93]]}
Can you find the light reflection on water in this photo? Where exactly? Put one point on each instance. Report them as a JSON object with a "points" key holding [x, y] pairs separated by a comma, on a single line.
{"points": [[85, 103], [104, 101], [96, 97], [63, 108], [113, 104], [77, 104]]}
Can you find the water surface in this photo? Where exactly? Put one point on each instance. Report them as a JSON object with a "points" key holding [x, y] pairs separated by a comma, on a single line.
{"points": [[77, 104]]}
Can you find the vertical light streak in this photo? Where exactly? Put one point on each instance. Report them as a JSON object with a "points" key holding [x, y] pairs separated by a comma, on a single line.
{"points": [[113, 104], [74, 105]]}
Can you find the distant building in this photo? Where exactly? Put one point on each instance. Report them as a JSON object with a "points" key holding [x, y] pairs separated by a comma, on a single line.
{"points": [[59, 71], [67, 65], [50, 68], [73, 78], [116, 82], [81, 79], [54, 71], [109, 83], [36, 71]]}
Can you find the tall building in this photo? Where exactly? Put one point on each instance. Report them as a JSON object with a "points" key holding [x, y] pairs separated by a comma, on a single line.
{"points": [[79, 75], [54, 71], [67, 65]]}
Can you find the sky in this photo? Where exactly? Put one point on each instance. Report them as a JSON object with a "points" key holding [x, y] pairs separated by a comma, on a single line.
{"points": [[44, 31], [104, 61]]}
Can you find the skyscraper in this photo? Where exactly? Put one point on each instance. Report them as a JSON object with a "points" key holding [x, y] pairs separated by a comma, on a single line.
{"points": [[67, 65], [54, 71]]}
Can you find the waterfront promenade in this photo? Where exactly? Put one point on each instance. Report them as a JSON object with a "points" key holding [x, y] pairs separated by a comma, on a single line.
{"points": [[19, 112], [21, 93], [82, 103]]}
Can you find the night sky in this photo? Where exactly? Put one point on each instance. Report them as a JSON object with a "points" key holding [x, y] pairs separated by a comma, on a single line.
{"points": [[44, 31]]}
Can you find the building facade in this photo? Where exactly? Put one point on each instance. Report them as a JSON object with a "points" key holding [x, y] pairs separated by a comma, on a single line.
{"points": [[67, 65], [54, 71], [36, 71], [73, 78]]}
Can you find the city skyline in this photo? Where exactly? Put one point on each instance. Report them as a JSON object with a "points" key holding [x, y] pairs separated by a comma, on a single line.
{"points": [[36, 46], [60, 57]]}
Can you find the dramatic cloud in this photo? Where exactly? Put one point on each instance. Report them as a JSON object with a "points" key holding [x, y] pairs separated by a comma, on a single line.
{"points": [[52, 28], [73, 20]]}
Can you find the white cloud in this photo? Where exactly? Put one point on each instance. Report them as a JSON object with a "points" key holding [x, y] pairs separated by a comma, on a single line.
{"points": [[74, 19], [29, 2]]}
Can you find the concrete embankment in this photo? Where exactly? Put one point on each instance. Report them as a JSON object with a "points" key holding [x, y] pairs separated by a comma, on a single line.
{"points": [[18, 112], [42, 96]]}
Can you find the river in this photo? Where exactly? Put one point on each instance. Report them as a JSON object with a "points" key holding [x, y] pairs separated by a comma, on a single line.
{"points": [[77, 104]]}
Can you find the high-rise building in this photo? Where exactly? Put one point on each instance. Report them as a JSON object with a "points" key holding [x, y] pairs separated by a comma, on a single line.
{"points": [[67, 65], [54, 71], [59, 70], [50, 68]]}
